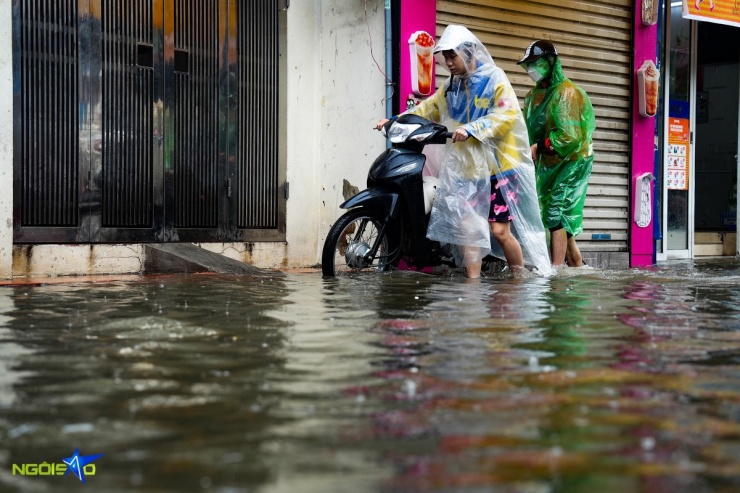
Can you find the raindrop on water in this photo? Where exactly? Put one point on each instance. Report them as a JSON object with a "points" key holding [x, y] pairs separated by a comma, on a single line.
{"points": [[409, 387], [137, 478], [647, 443]]}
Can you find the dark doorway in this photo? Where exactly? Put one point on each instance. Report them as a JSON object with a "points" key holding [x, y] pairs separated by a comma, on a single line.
{"points": [[716, 143]]}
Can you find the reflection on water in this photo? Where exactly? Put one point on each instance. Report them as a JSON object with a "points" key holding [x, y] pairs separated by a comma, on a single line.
{"points": [[600, 381]]}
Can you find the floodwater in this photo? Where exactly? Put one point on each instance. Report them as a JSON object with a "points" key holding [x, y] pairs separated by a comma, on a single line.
{"points": [[592, 381]]}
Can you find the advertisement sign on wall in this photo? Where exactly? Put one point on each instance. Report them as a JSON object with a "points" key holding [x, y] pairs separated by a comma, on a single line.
{"points": [[719, 11], [678, 154], [418, 21], [421, 58]]}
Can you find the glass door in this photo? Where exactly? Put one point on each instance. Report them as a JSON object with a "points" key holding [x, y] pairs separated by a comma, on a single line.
{"points": [[678, 180]]}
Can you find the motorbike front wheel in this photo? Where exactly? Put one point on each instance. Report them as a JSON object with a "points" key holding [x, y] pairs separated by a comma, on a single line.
{"points": [[351, 239]]}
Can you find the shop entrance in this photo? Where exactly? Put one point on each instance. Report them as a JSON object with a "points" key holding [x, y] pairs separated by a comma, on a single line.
{"points": [[716, 143], [700, 139]]}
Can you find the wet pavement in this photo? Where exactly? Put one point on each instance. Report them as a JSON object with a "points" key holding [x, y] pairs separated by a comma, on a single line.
{"points": [[591, 381]]}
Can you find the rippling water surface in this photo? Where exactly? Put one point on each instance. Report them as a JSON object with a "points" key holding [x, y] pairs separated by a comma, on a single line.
{"points": [[592, 381]]}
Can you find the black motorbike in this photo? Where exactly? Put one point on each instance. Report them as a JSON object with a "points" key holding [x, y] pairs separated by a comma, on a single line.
{"points": [[385, 225]]}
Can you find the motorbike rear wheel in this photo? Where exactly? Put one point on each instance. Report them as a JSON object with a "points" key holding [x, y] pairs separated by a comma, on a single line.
{"points": [[349, 240]]}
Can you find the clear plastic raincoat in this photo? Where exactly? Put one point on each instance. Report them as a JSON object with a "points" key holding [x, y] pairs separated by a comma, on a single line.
{"points": [[562, 112], [483, 102]]}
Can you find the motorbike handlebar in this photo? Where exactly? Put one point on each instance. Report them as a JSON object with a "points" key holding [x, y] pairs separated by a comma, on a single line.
{"points": [[448, 135]]}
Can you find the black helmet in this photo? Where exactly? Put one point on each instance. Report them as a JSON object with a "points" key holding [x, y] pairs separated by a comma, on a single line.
{"points": [[537, 50]]}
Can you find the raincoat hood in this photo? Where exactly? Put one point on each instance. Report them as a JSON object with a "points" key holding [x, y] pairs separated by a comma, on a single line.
{"points": [[556, 75], [467, 46]]}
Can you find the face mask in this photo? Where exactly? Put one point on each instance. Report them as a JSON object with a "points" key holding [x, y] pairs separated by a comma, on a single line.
{"points": [[538, 70], [534, 74]]}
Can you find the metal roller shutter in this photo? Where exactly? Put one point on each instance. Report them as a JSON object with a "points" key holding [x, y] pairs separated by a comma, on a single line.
{"points": [[594, 39]]}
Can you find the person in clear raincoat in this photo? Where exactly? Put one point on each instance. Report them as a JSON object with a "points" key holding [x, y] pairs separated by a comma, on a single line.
{"points": [[561, 122], [487, 182]]}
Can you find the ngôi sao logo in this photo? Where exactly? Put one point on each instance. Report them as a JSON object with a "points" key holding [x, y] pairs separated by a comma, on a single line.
{"points": [[77, 464]]}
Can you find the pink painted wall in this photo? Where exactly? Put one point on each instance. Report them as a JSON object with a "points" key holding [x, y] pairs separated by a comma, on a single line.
{"points": [[416, 15], [641, 245]]}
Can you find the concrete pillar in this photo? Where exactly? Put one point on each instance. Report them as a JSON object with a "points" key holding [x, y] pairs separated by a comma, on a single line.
{"points": [[6, 139]]}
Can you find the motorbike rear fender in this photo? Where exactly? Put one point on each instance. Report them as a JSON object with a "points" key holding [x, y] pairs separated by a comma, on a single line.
{"points": [[377, 198]]}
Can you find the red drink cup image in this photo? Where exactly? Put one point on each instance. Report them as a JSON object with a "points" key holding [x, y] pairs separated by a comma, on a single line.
{"points": [[421, 46], [652, 78], [648, 85]]}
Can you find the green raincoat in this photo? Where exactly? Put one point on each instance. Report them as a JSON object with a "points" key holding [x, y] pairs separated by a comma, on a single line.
{"points": [[563, 113]]}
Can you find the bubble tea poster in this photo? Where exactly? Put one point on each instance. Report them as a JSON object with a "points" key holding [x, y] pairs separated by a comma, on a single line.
{"points": [[417, 31]]}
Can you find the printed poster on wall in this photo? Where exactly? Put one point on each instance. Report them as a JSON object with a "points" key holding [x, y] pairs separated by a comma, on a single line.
{"points": [[719, 11], [679, 151], [417, 29]]}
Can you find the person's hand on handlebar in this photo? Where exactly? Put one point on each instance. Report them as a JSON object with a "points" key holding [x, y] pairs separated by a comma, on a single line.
{"points": [[380, 124], [460, 135]]}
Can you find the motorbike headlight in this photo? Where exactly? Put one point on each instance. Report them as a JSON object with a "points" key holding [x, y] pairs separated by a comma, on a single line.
{"points": [[421, 137], [399, 132]]}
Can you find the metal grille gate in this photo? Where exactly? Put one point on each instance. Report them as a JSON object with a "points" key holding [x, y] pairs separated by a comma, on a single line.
{"points": [[147, 121]]}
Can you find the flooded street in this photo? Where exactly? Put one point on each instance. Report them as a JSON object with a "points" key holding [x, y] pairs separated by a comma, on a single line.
{"points": [[592, 381]]}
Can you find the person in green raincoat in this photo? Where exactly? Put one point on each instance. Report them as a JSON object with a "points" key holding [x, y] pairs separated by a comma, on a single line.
{"points": [[560, 121]]}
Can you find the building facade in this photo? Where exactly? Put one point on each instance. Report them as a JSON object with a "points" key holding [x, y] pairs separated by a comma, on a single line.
{"points": [[242, 127], [236, 126]]}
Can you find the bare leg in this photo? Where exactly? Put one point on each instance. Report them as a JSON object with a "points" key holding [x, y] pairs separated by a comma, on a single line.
{"points": [[472, 271], [558, 247], [501, 231], [573, 253], [472, 268]]}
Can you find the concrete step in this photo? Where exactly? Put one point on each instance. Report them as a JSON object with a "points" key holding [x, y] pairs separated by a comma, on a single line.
{"points": [[708, 250], [704, 238], [714, 243], [186, 258]]}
